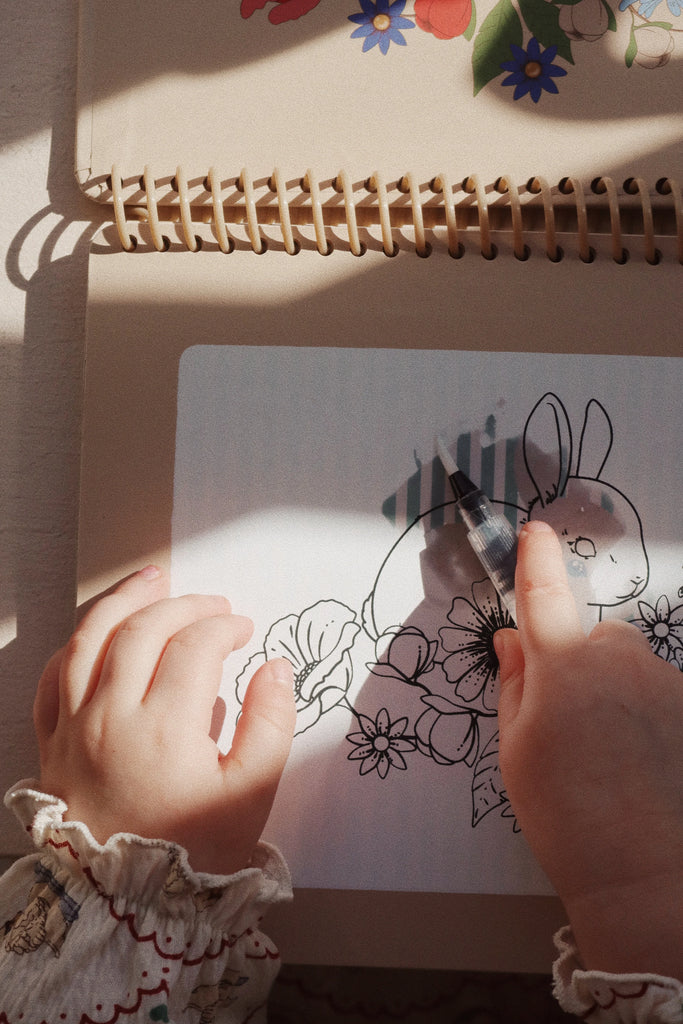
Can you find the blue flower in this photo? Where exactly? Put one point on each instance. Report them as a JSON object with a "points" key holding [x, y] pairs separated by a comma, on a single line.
{"points": [[532, 70], [646, 8], [380, 24]]}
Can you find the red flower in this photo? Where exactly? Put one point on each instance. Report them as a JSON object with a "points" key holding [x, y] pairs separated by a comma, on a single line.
{"points": [[287, 10], [445, 19]]}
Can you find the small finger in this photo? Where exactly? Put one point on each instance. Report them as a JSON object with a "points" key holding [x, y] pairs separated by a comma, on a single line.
{"points": [[547, 616], [264, 732], [139, 644], [85, 652], [46, 702], [189, 674]]}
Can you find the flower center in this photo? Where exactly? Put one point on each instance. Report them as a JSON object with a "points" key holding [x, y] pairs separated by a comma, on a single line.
{"points": [[661, 629], [302, 676], [381, 22], [533, 69], [381, 743]]}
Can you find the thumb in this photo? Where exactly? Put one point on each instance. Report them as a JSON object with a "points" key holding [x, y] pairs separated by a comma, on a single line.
{"points": [[510, 656], [264, 731]]}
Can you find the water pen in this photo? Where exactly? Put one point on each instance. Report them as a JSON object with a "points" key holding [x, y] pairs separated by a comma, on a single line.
{"points": [[492, 537]]}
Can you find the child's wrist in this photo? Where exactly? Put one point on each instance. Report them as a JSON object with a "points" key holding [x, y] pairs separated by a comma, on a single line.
{"points": [[631, 930]]}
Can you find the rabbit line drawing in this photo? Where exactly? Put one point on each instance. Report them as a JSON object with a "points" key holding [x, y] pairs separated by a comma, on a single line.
{"points": [[599, 527]]}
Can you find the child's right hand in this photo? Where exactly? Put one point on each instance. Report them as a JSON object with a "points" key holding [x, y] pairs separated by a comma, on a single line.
{"points": [[123, 717], [591, 753]]}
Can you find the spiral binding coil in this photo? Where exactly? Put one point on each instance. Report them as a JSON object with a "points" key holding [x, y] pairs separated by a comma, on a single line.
{"points": [[522, 212]]}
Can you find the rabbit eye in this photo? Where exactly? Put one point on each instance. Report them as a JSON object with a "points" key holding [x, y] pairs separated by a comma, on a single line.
{"points": [[583, 547], [577, 567]]}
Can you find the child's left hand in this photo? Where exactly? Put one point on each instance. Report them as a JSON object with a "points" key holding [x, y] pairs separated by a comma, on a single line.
{"points": [[123, 715]]}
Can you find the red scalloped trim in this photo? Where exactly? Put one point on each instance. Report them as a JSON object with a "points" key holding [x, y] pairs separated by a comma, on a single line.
{"points": [[119, 1011], [268, 954], [616, 995], [128, 919], [61, 846]]}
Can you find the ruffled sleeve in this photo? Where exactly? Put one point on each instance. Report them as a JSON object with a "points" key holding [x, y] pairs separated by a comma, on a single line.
{"points": [[128, 930], [603, 998]]}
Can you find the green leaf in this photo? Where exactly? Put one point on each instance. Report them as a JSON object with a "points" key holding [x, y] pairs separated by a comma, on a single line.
{"points": [[631, 49], [501, 28], [469, 31], [611, 20], [543, 21]]}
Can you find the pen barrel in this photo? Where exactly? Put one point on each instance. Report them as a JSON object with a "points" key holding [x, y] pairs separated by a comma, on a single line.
{"points": [[495, 544]]}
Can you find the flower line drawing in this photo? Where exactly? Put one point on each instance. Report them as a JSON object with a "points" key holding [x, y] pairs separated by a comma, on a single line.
{"points": [[408, 656], [317, 643], [663, 627], [456, 677], [380, 745], [434, 688], [471, 663]]}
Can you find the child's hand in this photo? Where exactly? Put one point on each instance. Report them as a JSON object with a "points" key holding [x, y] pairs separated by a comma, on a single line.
{"points": [[591, 752], [123, 715]]}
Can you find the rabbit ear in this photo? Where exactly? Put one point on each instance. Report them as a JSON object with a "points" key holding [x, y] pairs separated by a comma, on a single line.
{"points": [[596, 441], [547, 446]]}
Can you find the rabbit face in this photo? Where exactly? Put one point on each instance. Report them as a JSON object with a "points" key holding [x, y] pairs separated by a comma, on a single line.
{"points": [[605, 555], [602, 538]]}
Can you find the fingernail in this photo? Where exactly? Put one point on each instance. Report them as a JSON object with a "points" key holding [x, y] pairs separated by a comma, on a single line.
{"points": [[283, 671], [150, 572], [537, 526]]}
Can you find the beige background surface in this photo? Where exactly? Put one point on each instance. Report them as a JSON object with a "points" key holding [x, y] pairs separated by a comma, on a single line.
{"points": [[45, 226]]}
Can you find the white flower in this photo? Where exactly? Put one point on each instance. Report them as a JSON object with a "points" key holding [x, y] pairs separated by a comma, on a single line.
{"points": [[317, 644], [654, 46]]}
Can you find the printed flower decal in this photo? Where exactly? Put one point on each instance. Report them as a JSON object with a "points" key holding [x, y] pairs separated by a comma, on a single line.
{"points": [[380, 24], [663, 627], [284, 10], [586, 20], [317, 643], [532, 70], [381, 744], [471, 664], [445, 19], [646, 8], [551, 28]]}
